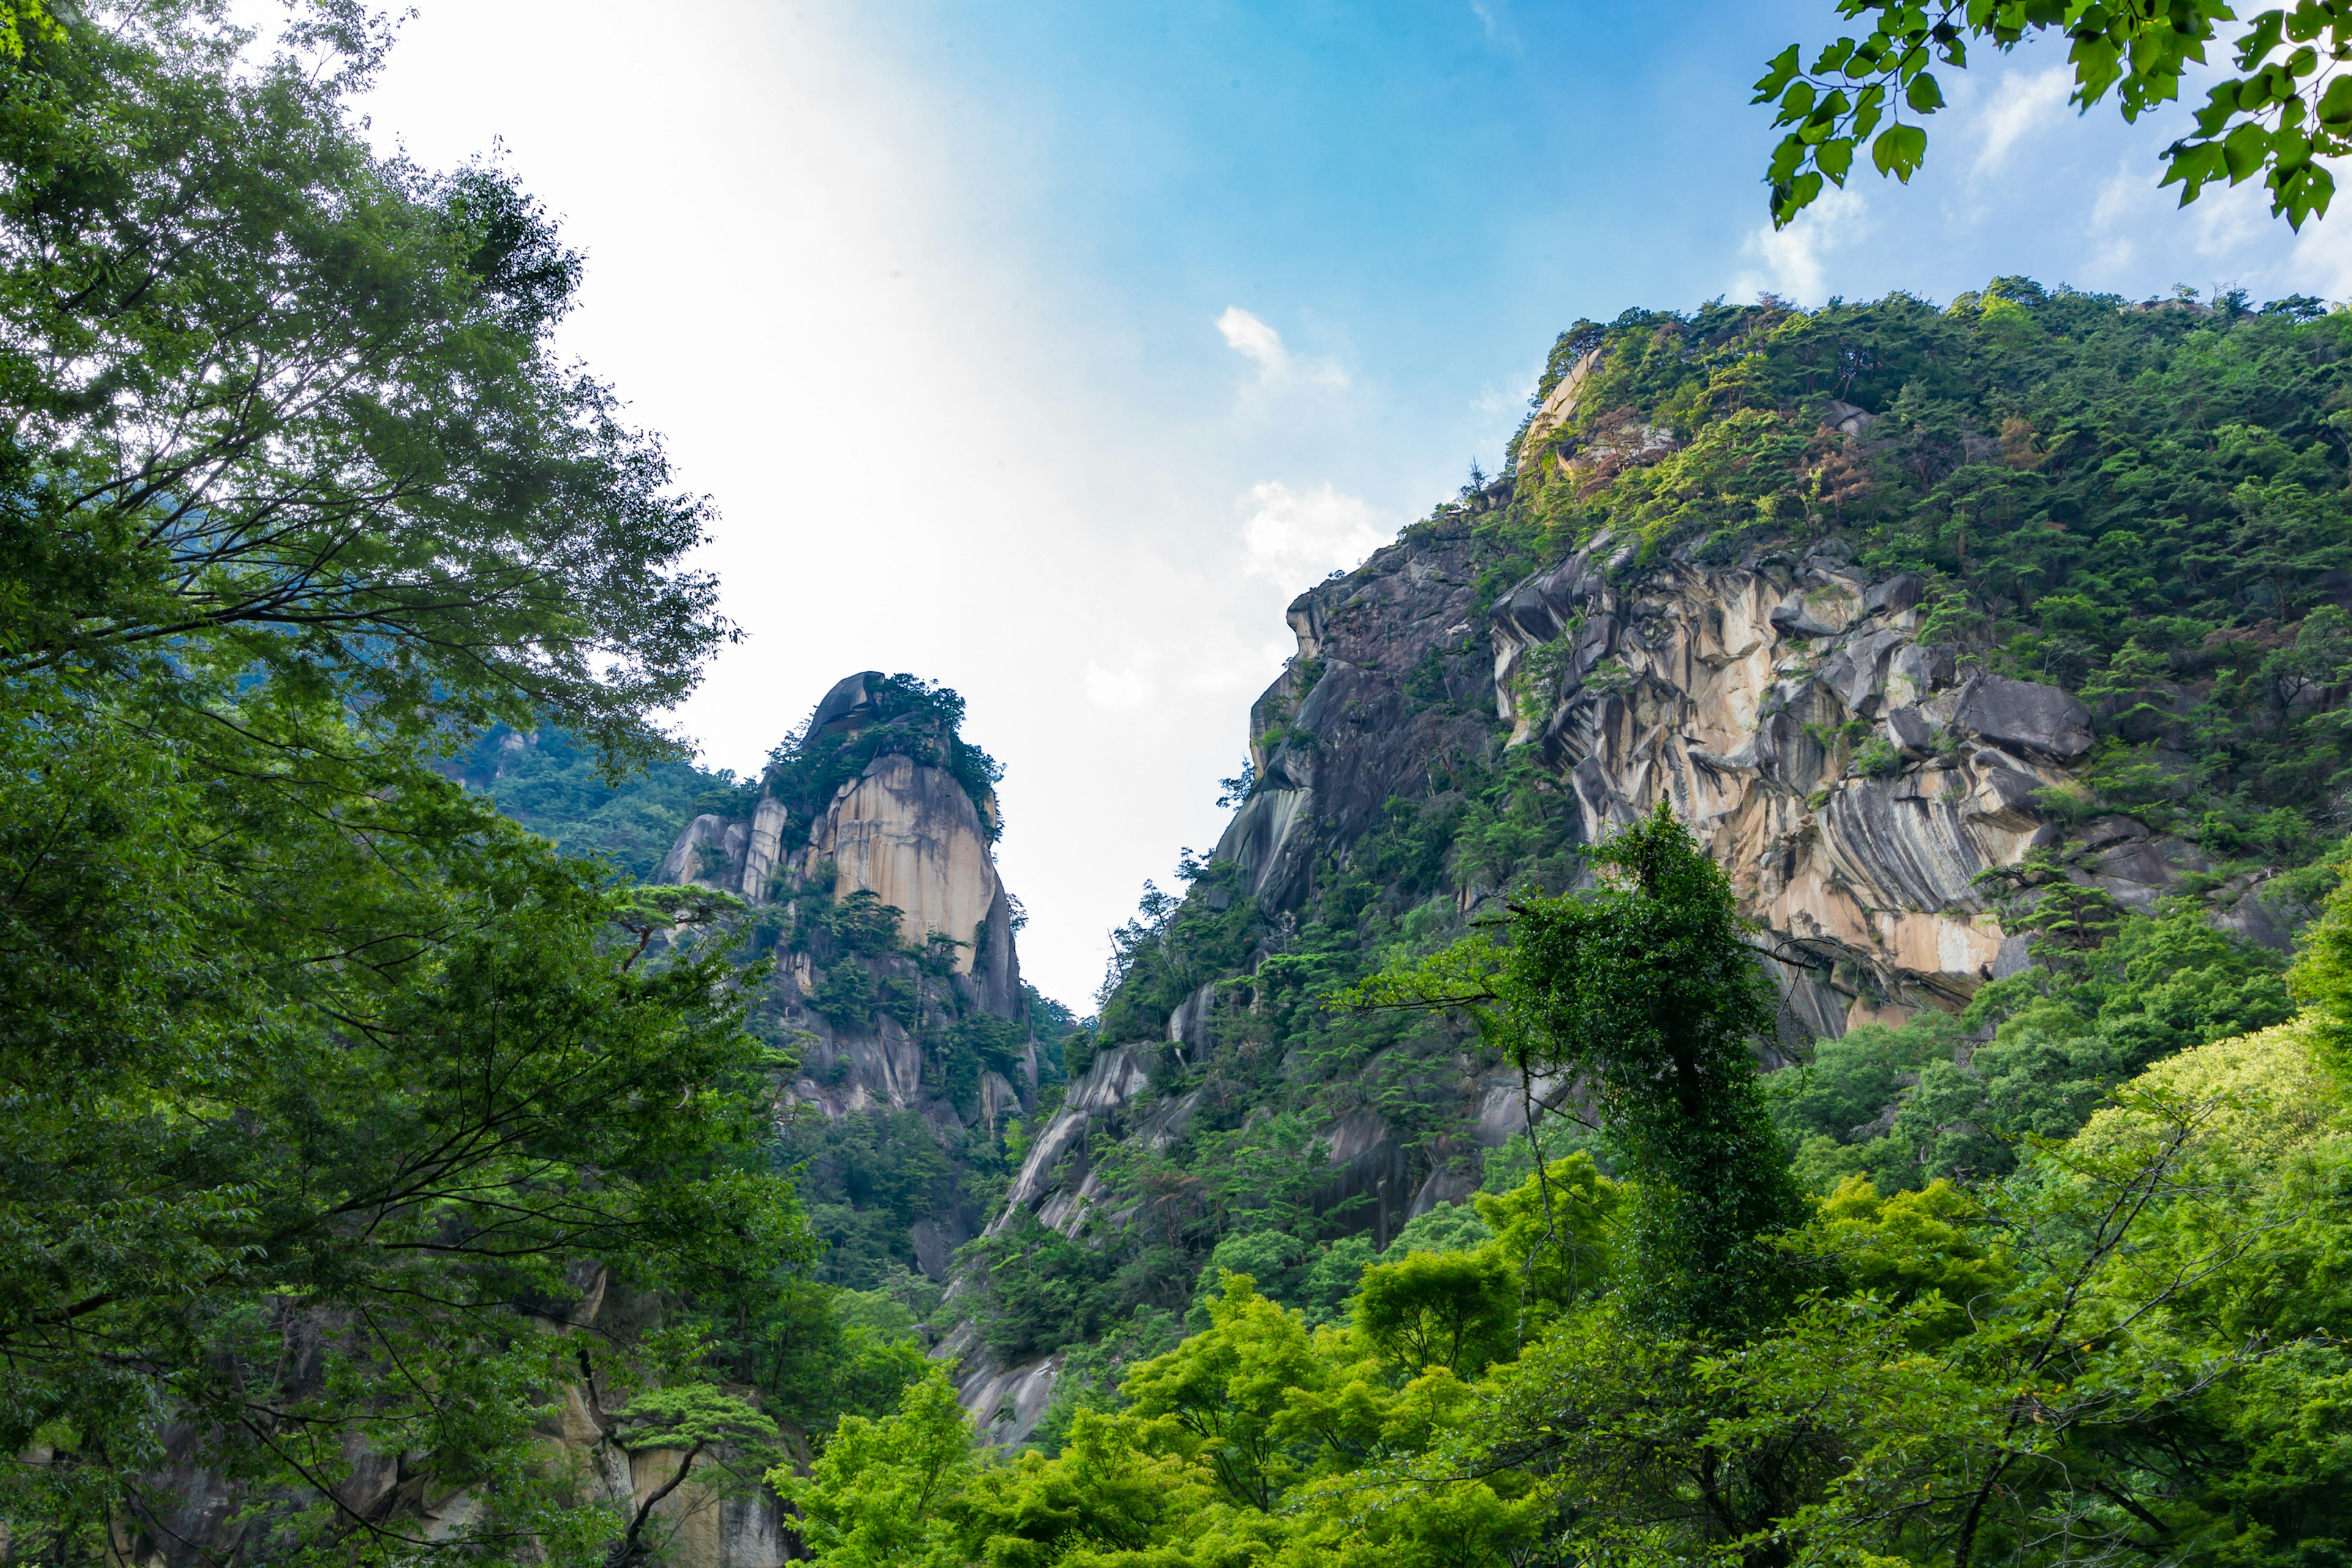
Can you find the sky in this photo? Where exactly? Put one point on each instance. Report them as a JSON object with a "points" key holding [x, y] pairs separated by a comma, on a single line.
{"points": [[1047, 349]]}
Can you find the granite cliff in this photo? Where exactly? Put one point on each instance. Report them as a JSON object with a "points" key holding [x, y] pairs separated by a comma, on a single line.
{"points": [[1897, 750]]}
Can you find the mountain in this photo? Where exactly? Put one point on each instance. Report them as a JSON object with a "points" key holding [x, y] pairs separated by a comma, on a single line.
{"points": [[864, 855], [2000, 654]]}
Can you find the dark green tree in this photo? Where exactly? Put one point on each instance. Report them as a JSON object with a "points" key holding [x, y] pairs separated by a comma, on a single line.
{"points": [[1645, 996], [331, 1103]]}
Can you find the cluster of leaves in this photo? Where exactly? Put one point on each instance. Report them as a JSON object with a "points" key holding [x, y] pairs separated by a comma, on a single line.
{"points": [[2290, 105]]}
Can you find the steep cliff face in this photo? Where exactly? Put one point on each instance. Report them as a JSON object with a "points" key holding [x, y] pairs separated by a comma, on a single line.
{"points": [[908, 833], [1855, 778], [865, 854]]}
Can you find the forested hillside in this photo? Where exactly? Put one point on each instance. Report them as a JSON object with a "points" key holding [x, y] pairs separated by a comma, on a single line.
{"points": [[2029, 1249], [548, 781], [377, 1184]]}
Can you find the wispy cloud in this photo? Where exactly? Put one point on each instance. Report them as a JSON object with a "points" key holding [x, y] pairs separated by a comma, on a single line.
{"points": [[2217, 241], [1252, 337], [2025, 104], [1795, 259], [1494, 16], [1293, 538]]}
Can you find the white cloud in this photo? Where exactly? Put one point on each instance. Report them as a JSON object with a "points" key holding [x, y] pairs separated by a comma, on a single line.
{"points": [[1491, 14], [2225, 237], [1251, 337], [2023, 105], [1118, 690], [1296, 537], [1795, 259]]}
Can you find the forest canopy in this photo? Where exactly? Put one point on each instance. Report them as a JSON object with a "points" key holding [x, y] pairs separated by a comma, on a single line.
{"points": [[346, 1124]]}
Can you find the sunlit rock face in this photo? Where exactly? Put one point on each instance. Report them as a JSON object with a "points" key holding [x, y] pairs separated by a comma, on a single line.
{"points": [[911, 836], [906, 833], [1854, 781]]}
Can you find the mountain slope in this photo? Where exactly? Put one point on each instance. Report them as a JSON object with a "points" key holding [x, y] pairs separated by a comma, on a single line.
{"points": [[1967, 640]]}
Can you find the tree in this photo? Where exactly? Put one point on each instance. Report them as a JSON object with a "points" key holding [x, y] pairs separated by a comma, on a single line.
{"points": [[1455, 1310], [283, 407], [334, 1109], [1646, 994], [882, 1494], [2289, 106]]}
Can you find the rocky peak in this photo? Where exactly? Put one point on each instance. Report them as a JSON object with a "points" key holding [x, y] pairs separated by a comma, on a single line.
{"points": [[898, 819]]}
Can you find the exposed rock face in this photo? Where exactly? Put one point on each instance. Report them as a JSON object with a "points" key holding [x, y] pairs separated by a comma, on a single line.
{"points": [[1854, 781], [1338, 735], [1746, 695], [907, 833], [910, 836]]}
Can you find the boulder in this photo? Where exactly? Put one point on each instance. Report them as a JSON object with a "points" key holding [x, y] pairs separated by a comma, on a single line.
{"points": [[1895, 595], [1817, 612], [1847, 418], [2023, 714], [2112, 829], [1907, 729], [1914, 671]]}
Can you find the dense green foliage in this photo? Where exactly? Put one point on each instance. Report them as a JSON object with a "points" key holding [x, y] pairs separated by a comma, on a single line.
{"points": [[2131, 1346], [1933, 1100], [547, 781], [1646, 994], [347, 1131], [276, 395]]}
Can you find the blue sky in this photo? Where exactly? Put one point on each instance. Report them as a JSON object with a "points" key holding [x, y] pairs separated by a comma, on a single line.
{"points": [[1047, 349]]}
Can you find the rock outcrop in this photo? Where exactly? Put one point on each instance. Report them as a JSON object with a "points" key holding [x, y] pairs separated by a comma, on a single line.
{"points": [[911, 836], [908, 833], [1854, 778], [1854, 781]]}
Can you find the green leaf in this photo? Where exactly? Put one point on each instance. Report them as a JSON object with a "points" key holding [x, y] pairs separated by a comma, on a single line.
{"points": [[1835, 157], [1777, 74], [1789, 200], [2261, 39], [1787, 159], [1898, 150], [1867, 112], [2243, 149], [1923, 95], [2336, 104]]}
